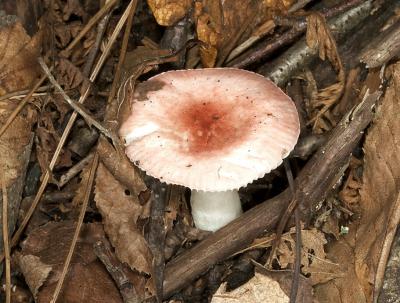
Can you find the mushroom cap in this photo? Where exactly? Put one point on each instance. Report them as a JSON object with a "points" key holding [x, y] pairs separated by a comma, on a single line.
{"points": [[210, 129]]}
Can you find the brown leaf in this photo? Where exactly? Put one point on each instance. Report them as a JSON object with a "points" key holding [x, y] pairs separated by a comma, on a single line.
{"points": [[120, 211], [87, 279], [359, 252], [319, 37], [34, 271], [221, 25], [80, 192], [168, 12], [18, 70], [18, 57], [68, 75], [381, 183], [260, 288]]}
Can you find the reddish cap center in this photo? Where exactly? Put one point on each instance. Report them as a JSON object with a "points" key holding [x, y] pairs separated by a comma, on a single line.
{"points": [[211, 127]]}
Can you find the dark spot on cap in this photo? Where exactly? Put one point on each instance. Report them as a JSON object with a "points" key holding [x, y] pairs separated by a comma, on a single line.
{"points": [[146, 87]]}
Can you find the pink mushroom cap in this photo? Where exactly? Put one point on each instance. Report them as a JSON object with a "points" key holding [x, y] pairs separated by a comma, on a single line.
{"points": [[213, 129]]}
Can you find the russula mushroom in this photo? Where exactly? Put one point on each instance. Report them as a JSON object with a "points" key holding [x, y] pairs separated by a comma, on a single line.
{"points": [[212, 130]]}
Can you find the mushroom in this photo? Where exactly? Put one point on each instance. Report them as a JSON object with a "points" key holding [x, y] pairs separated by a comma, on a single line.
{"points": [[212, 130]]}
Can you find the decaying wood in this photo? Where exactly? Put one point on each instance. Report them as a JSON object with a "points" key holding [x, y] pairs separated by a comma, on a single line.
{"points": [[299, 55], [156, 235], [312, 185], [383, 48], [268, 47]]}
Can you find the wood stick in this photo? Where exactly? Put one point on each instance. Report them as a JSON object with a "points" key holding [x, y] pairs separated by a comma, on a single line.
{"points": [[312, 185]]}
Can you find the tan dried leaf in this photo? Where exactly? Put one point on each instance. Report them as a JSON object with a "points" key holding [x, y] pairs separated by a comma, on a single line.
{"points": [[80, 192], [221, 23], [68, 75], [18, 57], [34, 271], [359, 251], [320, 38], [87, 279], [381, 183], [120, 211], [168, 12], [258, 289]]}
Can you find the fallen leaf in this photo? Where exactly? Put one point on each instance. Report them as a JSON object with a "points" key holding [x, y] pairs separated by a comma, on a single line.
{"points": [[258, 289], [320, 38], [120, 211], [87, 279], [18, 70], [359, 252], [381, 183], [18, 57], [221, 23], [68, 75], [34, 271]]}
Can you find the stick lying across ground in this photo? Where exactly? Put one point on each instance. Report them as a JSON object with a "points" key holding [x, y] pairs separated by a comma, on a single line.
{"points": [[312, 185]]}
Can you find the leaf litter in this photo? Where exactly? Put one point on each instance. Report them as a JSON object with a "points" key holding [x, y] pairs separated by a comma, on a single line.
{"points": [[345, 241]]}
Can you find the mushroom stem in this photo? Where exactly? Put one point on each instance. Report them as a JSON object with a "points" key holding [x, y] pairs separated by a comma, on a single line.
{"points": [[213, 210]]}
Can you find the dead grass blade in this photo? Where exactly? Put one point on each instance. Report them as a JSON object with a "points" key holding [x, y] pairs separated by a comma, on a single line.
{"points": [[21, 105], [89, 186], [5, 240]]}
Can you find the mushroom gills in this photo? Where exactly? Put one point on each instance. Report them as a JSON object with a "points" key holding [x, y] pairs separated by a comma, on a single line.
{"points": [[213, 210]]}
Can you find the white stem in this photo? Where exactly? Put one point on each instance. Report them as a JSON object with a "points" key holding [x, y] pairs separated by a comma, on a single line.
{"points": [[213, 210]]}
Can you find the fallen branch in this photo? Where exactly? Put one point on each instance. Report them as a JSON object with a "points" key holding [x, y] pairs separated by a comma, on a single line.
{"points": [[312, 185]]}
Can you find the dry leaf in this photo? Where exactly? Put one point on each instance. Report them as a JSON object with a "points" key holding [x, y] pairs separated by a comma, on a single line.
{"points": [[34, 271], [168, 12], [381, 183], [259, 289], [18, 70], [359, 251], [80, 192], [87, 279], [319, 37], [313, 257], [68, 75], [18, 57], [120, 211], [221, 25]]}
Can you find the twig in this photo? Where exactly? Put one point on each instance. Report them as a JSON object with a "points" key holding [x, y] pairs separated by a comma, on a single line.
{"points": [[298, 5], [75, 105], [311, 186], [60, 145], [74, 170], [21, 105], [232, 42], [91, 22], [23, 93], [289, 36], [85, 202], [297, 260], [117, 272], [383, 48], [5, 239], [156, 235], [300, 54]]}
